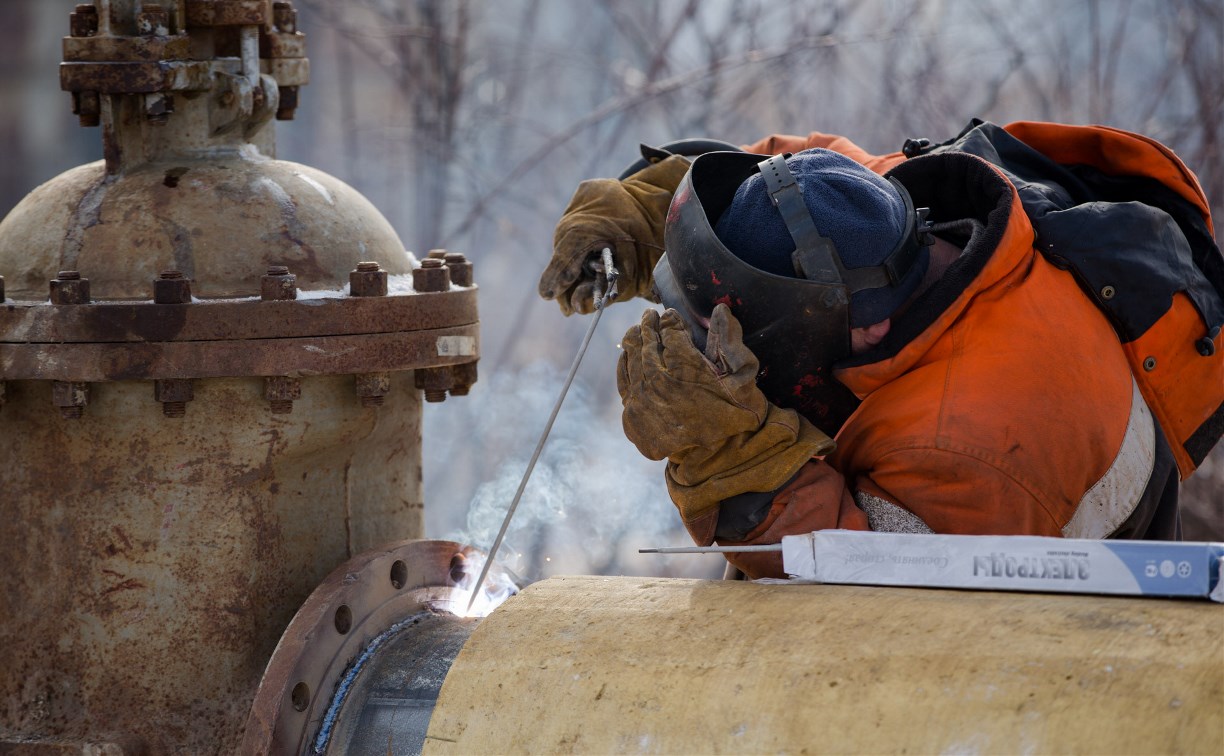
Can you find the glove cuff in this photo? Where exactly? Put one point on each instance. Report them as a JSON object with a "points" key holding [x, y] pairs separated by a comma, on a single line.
{"points": [[761, 460]]}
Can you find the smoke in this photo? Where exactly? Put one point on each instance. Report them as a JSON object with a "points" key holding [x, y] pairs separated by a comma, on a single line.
{"points": [[592, 500]]}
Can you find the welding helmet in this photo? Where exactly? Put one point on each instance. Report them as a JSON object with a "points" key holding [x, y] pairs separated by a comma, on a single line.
{"points": [[745, 230]]}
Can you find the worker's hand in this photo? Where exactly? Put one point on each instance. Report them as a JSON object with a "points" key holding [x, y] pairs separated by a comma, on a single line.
{"points": [[705, 414], [626, 216]]}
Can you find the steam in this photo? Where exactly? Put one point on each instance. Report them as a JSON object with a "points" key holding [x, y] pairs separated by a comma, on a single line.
{"points": [[592, 500]]}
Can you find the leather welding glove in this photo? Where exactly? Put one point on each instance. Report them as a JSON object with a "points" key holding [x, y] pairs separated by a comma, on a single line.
{"points": [[705, 414], [628, 217]]}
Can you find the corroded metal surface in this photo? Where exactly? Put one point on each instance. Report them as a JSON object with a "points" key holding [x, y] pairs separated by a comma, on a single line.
{"points": [[218, 320], [179, 474], [614, 665], [336, 636], [152, 562]]}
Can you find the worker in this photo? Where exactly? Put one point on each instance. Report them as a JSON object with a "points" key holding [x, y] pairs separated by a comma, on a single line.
{"points": [[1014, 332]]}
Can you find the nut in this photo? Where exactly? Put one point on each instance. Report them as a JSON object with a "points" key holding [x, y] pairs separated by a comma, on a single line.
{"points": [[69, 288], [460, 269], [171, 288], [71, 398], [281, 391], [284, 17], [372, 387], [286, 108], [153, 21], [435, 382], [368, 280], [464, 376], [278, 284], [433, 275], [83, 21], [173, 393]]}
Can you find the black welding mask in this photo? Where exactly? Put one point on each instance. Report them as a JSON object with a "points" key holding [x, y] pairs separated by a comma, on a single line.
{"points": [[797, 325]]}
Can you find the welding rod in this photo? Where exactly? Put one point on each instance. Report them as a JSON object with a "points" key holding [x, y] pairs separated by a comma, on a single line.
{"points": [[609, 273], [710, 549]]}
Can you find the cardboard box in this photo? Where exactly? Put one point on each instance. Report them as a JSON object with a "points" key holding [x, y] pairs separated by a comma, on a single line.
{"points": [[1010, 563]]}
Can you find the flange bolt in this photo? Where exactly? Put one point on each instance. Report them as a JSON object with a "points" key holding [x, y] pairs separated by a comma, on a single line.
{"points": [[368, 280], [433, 275], [278, 284], [460, 269], [171, 288], [69, 288]]}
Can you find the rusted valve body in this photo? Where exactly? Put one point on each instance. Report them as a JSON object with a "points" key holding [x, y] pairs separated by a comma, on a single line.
{"points": [[184, 460]]}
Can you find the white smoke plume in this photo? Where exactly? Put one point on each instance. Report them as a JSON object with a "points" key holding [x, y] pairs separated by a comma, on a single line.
{"points": [[592, 500]]}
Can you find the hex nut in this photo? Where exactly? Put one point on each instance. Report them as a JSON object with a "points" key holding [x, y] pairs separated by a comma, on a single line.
{"points": [[281, 391], [435, 382], [368, 280], [69, 288], [70, 397], [83, 22], [372, 387], [460, 269], [174, 393], [278, 284], [431, 276], [463, 377], [171, 288]]}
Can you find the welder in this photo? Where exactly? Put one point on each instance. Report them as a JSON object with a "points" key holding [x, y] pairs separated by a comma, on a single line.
{"points": [[1016, 331]]}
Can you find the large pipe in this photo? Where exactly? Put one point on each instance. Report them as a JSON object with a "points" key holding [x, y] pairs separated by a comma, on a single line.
{"points": [[601, 665]]}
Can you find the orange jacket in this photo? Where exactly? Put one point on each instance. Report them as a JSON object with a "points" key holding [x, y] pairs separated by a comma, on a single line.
{"points": [[1002, 403]]}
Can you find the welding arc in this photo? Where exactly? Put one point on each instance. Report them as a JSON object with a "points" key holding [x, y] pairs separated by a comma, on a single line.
{"points": [[609, 273]]}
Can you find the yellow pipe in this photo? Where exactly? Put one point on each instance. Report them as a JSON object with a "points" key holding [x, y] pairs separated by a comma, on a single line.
{"points": [[594, 664]]}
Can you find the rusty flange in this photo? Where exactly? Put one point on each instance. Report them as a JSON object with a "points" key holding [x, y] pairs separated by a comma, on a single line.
{"points": [[361, 604]]}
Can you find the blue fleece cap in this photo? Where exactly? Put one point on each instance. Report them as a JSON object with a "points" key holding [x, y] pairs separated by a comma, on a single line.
{"points": [[859, 210]]}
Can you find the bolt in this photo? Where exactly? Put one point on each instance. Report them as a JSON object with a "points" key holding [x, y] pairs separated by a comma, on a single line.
{"points": [[460, 269], [153, 21], [171, 288], [464, 376], [284, 17], [431, 276], [87, 107], [287, 107], [435, 382], [278, 284], [71, 398], [437, 254], [69, 288], [83, 21], [173, 393], [372, 387], [280, 391], [368, 280]]}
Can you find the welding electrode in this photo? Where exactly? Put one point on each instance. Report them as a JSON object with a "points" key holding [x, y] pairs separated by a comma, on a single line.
{"points": [[711, 549], [608, 273]]}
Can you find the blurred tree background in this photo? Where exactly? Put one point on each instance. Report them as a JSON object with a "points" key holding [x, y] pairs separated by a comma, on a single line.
{"points": [[470, 123]]}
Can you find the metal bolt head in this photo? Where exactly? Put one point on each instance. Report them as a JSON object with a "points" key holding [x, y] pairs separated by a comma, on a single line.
{"points": [[1108, 292], [171, 288], [83, 22], [368, 280], [1149, 364], [431, 276], [278, 284], [460, 269], [437, 254], [69, 288]]}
